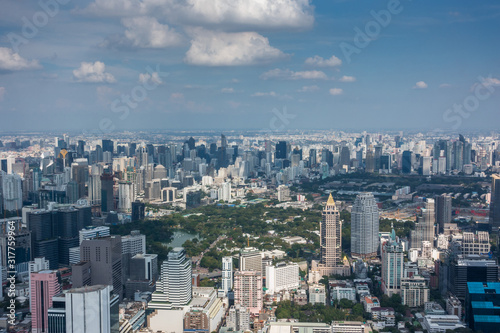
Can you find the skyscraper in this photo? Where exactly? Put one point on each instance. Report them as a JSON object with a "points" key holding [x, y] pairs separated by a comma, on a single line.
{"points": [[281, 150], [331, 241], [248, 290], [495, 203], [227, 274], [443, 210], [424, 228], [406, 162], [44, 285], [105, 257], [364, 226], [92, 309], [392, 265], [176, 277]]}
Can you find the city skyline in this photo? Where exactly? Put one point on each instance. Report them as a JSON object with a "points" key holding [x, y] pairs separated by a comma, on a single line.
{"points": [[229, 70]]}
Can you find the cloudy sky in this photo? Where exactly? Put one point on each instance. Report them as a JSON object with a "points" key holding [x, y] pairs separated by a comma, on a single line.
{"points": [[249, 64]]}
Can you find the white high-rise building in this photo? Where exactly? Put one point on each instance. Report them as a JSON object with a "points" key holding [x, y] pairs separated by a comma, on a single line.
{"points": [[134, 243], [88, 309], [238, 318], [126, 195], [12, 191], [392, 266], [364, 226], [282, 277], [176, 277], [227, 274], [225, 191], [94, 232]]}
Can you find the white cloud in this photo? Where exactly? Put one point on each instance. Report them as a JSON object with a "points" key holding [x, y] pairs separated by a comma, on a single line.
{"points": [[320, 62], [235, 13], [486, 82], [336, 91], [346, 78], [420, 85], [264, 94], [93, 72], [11, 61], [209, 48], [227, 90], [147, 32], [308, 89], [150, 78], [287, 74], [2, 93]]}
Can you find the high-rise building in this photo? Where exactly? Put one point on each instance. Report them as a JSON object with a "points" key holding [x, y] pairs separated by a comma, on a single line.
{"points": [[364, 226], [92, 309], [176, 277], [44, 236], [105, 258], [138, 211], [283, 193], [93, 232], [248, 290], [313, 157], [495, 203], [283, 276], [482, 310], [12, 193], [238, 318], [331, 241], [281, 150], [406, 162], [227, 274], [107, 145], [44, 285], [471, 268], [250, 260], [414, 291], [107, 199], [392, 265], [67, 225], [478, 243], [424, 228], [134, 243], [443, 210]]}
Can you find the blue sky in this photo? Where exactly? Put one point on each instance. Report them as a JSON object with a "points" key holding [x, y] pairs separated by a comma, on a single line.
{"points": [[227, 64]]}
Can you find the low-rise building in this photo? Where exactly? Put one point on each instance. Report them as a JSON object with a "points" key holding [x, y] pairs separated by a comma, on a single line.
{"points": [[441, 323], [317, 294]]}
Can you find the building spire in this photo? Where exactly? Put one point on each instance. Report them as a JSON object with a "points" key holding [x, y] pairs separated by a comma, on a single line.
{"points": [[330, 201]]}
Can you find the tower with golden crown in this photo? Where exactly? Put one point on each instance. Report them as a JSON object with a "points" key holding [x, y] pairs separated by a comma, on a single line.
{"points": [[331, 241]]}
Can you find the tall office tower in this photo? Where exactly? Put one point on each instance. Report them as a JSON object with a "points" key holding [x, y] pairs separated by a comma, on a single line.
{"points": [[126, 195], [458, 155], [95, 185], [425, 166], [134, 243], [105, 258], [345, 156], [250, 260], [377, 156], [481, 306], [92, 309], [138, 211], [467, 153], [443, 210], [392, 265], [107, 200], [227, 274], [44, 286], [495, 203], [248, 290], [44, 239], [281, 150], [369, 161], [364, 226], [56, 314], [424, 228], [144, 267], [406, 162], [474, 268], [223, 141], [80, 148], [313, 160], [12, 193], [331, 241], [80, 174], [107, 145], [386, 163], [176, 283], [67, 225]]}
